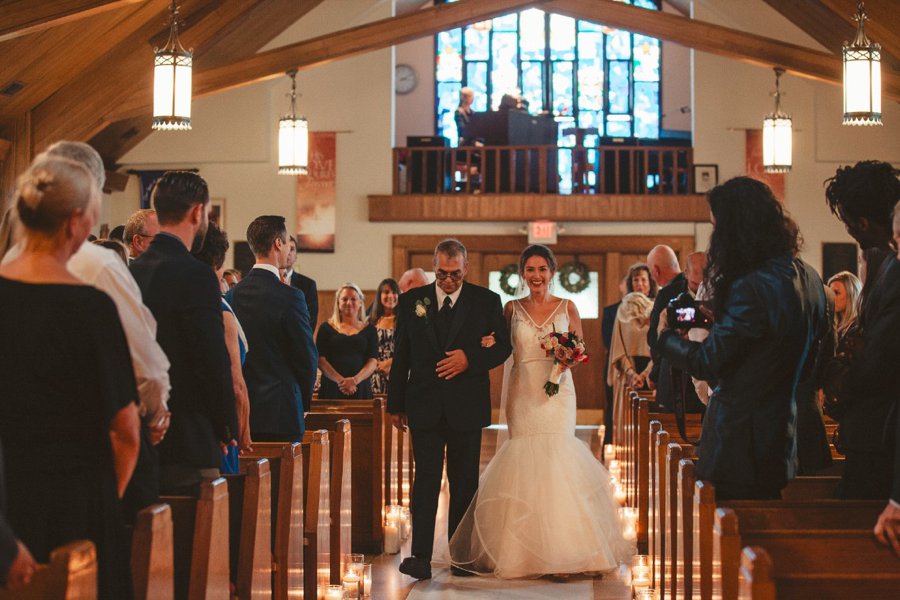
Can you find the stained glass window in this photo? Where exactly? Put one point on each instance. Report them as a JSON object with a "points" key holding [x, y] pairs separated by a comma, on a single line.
{"points": [[587, 74]]}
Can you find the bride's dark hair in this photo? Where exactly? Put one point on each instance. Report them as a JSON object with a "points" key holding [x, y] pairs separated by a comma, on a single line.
{"points": [[537, 250]]}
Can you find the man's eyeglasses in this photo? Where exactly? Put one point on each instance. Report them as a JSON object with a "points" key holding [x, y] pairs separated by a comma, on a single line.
{"points": [[454, 275], [144, 235]]}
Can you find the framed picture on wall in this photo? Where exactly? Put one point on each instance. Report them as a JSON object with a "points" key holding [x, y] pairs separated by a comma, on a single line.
{"points": [[217, 212], [706, 177]]}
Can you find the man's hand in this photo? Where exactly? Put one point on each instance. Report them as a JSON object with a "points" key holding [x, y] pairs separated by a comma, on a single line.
{"points": [[887, 529], [157, 431], [488, 341], [455, 364], [21, 570], [399, 421]]}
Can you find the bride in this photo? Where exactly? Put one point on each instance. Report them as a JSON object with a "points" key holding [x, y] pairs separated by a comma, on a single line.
{"points": [[544, 504]]}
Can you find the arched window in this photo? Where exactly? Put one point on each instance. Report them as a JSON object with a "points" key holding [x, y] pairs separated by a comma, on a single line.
{"points": [[586, 74]]}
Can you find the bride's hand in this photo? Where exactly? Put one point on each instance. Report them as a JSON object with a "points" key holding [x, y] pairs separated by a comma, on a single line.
{"points": [[488, 340]]}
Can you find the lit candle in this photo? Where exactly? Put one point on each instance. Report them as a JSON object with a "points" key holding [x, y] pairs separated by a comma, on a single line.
{"points": [[391, 537], [405, 522], [367, 580], [334, 592], [620, 495], [351, 584], [609, 453], [640, 582], [646, 594]]}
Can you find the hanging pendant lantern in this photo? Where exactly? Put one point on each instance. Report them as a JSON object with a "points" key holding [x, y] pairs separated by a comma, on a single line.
{"points": [[777, 134], [172, 73], [862, 76], [293, 138]]}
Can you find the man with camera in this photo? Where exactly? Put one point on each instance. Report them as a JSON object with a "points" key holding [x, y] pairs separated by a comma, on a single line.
{"points": [[672, 385]]}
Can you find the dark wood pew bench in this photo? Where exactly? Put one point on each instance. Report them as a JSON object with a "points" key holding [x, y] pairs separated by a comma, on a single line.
{"points": [[152, 558], [250, 526], [71, 574], [317, 512]]}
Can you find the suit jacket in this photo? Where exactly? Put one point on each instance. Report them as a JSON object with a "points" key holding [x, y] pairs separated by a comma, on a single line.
{"points": [[307, 285], [463, 402], [280, 368], [872, 385], [757, 350], [662, 372], [183, 295], [9, 544]]}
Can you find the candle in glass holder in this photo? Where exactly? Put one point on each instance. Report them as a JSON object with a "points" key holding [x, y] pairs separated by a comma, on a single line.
{"points": [[646, 594], [334, 592], [405, 522], [629, 517], [609, 453], [367, 581], [620, 495], [351, 585], [391, 537]]}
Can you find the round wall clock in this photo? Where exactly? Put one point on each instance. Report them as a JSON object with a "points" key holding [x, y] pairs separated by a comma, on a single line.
{"points": [[405, 79]]}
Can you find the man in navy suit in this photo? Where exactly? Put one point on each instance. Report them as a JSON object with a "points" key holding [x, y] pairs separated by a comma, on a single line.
{"points": [[280, 369], [440, 388], [184, 296], [305, 284]]}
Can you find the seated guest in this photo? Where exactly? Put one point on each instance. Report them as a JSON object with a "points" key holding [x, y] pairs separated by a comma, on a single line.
{"points": [[348, 347], [629, 356], [183, 295], [412, 278], [68, 413], [140, 229], [231, 277], [17, 566], [281, 370], [114, 245], [384, 320], [215, 245], [769, 311], [303, 283], [105, 271]]}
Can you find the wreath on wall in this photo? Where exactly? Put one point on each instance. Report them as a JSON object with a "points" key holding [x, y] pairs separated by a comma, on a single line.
{"points": [[574, 276], [506, 274]]}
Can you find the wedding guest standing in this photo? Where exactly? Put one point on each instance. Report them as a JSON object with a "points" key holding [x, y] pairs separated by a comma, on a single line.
{"points": [[847, 289], [348, 347], [68, 412], [383, 317], [305, 284], [629, 355]]}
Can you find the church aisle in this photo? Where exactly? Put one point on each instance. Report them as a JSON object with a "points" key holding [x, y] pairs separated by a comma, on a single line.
{"points": [[390, 584]]}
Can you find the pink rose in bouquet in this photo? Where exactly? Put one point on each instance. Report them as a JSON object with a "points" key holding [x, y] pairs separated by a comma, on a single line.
{"points": [[567, 350]]}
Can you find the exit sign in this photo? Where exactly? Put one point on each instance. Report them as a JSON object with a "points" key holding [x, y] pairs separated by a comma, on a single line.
{"points": [[542, 232]]}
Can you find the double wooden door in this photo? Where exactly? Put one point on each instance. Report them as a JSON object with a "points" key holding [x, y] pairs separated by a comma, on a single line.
{"points": [[607, 256]]}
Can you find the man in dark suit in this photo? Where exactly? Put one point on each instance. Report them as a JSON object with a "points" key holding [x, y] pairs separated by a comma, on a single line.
{"points": [[305, 284], [863, 197], [439, 387], [184, 296], [667, 273], [280, 369]]}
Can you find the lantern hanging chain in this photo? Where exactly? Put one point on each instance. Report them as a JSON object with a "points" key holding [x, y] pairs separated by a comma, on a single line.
{"points": [[861, 40], [173, 45], [293, 75], [777, 94]]}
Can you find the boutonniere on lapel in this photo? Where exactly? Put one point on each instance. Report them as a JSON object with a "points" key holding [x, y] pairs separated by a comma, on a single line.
{"points": [[422, 309]]}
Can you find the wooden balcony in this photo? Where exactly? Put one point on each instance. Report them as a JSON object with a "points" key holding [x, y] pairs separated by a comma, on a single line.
{"points": [[522, 183]]}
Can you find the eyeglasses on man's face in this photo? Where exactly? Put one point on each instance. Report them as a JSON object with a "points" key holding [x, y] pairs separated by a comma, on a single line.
{"points": [[454, 275]]}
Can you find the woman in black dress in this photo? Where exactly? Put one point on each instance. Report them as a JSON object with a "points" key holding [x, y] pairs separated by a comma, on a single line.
{"points": [[383, 318], [68, 405], [348, 347]]}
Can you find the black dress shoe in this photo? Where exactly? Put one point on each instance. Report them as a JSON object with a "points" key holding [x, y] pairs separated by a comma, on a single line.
{"points": [[460, 572], [415, 567]]}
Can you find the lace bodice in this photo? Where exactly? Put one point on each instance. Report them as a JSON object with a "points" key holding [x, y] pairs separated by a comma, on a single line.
{"points": [[526, 334]]}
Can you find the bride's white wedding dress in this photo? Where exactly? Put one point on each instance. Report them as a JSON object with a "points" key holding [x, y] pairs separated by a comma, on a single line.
{"points": [[544, 504]]}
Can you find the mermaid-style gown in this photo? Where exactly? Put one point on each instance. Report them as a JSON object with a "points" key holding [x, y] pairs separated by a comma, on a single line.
{"points": [[544, 504]]}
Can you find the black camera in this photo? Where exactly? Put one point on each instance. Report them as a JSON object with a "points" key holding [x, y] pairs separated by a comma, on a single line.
{"points": [[684, 312]]}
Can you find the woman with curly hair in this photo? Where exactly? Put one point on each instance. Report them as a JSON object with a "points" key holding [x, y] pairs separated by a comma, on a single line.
{"points": [[771, 314]]}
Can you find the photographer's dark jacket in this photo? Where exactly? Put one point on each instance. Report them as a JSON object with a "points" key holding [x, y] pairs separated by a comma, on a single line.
{"points": [[757, 350]]}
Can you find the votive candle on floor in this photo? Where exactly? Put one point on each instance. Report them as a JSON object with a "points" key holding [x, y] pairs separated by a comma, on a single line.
{"points": [[334, 592]]}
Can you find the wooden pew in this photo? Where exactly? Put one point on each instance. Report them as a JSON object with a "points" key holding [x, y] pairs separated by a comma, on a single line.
{"points": [[250, 497], [660, 500], [317, 546], [152, 559], [399, 465], [200, 536], [339, 498], [70, 575], [762, 579], [286, 471], [837, 562], [368, 420]]}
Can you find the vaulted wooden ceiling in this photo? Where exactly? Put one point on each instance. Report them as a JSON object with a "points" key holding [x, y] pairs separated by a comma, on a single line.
{"points": [[82, 67]]}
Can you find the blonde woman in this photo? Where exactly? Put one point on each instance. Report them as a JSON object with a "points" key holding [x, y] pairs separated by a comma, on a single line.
{"points": [[348, 347], [847, 288]]}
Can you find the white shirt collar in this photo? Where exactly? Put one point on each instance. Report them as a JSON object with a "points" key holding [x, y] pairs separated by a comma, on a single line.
{"points": [[270, 268], [441, 294]]}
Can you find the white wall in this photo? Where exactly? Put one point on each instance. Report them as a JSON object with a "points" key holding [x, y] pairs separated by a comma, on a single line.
{"points": [[732, 96]]}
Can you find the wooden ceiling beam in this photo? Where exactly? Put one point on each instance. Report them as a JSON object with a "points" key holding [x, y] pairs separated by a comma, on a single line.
{"points": [[882, 24], [718, 40], [822, 24], [23, 17], [350, 42]]}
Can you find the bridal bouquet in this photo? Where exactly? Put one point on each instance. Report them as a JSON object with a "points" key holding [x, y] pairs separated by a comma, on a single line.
{"points": [[567, 350]]}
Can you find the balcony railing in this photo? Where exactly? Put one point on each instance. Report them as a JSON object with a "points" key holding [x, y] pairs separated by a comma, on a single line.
{"points": [[609, 170]]}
